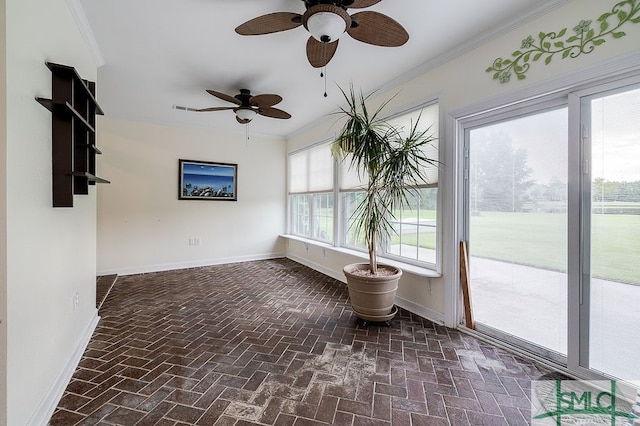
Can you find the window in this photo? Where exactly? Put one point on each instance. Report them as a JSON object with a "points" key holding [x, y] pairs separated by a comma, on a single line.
{"points": [[311, 193], [313, 198], [416, 238]]}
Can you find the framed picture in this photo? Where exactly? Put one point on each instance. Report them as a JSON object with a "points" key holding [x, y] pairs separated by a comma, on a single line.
{"points": [[205, 180]]}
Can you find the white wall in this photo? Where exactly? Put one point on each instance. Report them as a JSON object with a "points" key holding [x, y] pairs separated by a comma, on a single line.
{"points": [[142, 226], [51, 254], [463, 83]]}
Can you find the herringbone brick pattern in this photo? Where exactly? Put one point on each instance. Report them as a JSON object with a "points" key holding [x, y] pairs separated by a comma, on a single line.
{"points": [[275, 343]]}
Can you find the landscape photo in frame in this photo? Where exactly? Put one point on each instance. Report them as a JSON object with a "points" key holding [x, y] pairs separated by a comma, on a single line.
{"points": [[206, 180]]}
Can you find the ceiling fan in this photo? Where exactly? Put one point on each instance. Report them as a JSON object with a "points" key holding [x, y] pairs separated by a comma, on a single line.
{"points": [[326, 21], [248, 105]]}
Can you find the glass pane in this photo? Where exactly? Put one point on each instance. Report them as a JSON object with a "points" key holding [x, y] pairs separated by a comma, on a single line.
{"points": [[614, 341], [415, 227], [300, 215], [518, 227], [323, 216], [350, 203]]}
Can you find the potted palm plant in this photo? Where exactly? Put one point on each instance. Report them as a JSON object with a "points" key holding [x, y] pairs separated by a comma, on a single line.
{"points": [[391, 162]]}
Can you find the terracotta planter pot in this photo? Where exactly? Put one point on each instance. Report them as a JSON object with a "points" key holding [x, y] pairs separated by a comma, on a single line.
{"points": [[372, 297]]}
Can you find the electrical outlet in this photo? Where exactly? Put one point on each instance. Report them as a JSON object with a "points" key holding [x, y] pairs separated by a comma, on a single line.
{"points": [[194, 241], [75, 301]]}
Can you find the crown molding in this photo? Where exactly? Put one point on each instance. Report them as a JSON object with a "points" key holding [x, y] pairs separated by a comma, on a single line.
{"points": [[540, 9], [77, 11]]}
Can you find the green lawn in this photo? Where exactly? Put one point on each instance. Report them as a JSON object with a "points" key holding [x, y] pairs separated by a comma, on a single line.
{"points": [[540, 239]]}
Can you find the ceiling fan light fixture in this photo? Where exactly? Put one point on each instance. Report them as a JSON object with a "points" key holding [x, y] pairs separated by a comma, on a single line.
{"points": [[245, 114], [326, 27]]}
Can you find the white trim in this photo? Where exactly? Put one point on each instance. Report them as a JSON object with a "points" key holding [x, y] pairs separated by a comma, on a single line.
{"points": [[186, 265], [521, 352], [77, 11], [578, 374], [452, 202], [426, 313], [47, 406], [540, 9], [406, 267], [317, 267]]}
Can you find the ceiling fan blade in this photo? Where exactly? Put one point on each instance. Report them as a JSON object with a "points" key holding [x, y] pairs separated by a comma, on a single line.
{"points": [[378, 29], [241, 121], [274, 113], [265, 101], [224, 97], [270, 23], [361, 4], [214, 109], [318, 53]]}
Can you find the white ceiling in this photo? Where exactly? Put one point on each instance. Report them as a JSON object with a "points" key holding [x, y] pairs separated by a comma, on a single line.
{"points": [[160, 53]]}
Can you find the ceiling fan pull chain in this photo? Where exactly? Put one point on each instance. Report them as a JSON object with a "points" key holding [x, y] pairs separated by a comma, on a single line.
{"points": [[325, 80], [247, 135]]}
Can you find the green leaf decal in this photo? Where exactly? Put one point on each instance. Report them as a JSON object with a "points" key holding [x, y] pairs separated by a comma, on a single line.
{"points": [[604, 16], [581, 39]]}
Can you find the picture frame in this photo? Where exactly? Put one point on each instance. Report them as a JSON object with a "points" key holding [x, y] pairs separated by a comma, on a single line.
{"points": [[207, 180]]}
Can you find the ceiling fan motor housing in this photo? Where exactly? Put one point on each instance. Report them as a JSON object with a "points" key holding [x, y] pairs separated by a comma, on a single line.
{"points": [[321, 21]]}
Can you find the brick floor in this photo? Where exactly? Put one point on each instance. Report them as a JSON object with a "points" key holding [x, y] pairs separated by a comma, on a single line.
{"points": [[276, 343]]}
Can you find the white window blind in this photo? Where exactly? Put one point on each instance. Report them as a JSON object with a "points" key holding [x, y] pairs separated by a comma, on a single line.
{"points": [[349, 179], [429, 122], [311, 170]]}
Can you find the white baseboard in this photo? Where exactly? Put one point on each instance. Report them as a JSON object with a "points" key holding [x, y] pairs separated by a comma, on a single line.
{"points": [[426, 313], [47, 406], [186, 265], [414, 308], [320, 268]]}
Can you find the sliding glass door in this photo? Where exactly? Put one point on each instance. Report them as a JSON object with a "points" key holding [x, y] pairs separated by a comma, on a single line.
{"points": [[611, 232], [553, 226], [517, 225]]}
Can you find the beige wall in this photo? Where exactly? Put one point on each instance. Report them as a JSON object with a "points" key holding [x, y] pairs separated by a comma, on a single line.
{"points": [[463, 83], [142, 226], [51, 253]]}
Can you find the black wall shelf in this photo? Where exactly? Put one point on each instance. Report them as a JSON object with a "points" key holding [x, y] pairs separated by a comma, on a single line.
{"points": [[74, 108]]}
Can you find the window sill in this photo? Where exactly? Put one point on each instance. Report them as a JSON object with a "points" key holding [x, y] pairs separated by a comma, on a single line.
{"points": [[408, 267]]}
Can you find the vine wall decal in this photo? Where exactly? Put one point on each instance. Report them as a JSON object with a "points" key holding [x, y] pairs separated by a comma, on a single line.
{"points": [[583, 39]]}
